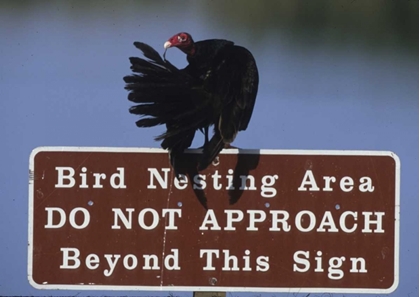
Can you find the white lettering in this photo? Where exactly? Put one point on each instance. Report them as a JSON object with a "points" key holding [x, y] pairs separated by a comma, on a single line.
{"points": [[251, 179], [98, 177], [276, 220], [67, 258], [181, 183], [327, 220], [354, 262], [199, 182], [125, 220], [209, 259], [377, 222], [299, 220], [230, 258], [163, 182], [126, 262], [86, 218], [155, 220], [171, 216], [334, 264], [253, 219], [267, 191], [61, 177], [120, 176], [216, 177], [327, 181], [148, 259], [210, 218], [366, 184], [230, 219], [50, 219], [111, 263], [300, 257], [174, 259], [346, 184], [92, 261], [262, 263], [343, 225], [308, 180]]}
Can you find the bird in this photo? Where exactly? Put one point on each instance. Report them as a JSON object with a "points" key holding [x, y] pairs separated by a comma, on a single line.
{"points": [[217, 88]]}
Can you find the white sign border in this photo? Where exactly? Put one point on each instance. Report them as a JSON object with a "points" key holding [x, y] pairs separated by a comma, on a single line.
{"points": [[215, 288]]}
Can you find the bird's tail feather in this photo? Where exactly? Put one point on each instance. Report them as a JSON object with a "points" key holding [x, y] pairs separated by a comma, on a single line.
{"points": [[180, 141], [163, 95], [148, 51], [184, 122], [176, 146]]}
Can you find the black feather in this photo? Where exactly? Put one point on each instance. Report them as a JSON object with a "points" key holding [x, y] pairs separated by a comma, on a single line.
{"points": [[148, 51], [211, 150], [218, 87]]}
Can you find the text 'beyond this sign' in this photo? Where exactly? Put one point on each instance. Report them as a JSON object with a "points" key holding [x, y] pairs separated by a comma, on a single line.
{"points": [[268, 221]]}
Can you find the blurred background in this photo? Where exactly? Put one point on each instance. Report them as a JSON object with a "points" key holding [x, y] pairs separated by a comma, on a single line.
{"points": [[334, 75]]}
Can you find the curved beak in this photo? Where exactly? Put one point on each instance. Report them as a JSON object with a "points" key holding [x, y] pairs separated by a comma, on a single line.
{"points": [[167, 45], [164, 54]]}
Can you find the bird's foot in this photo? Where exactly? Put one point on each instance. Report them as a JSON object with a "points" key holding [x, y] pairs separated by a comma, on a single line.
{"points": [[216, 161]]}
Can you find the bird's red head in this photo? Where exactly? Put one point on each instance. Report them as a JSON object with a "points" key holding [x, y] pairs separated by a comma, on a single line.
{"points": [[183, 41]]}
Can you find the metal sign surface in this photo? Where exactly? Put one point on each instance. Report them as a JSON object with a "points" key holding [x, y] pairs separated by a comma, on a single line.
{"points": [[259, 220]]}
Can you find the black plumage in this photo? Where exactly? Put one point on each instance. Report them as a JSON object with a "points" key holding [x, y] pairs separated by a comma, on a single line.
{"points": [[218, 87]]}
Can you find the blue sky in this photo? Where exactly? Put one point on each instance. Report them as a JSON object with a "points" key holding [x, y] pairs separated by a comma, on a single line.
{"points": [[61, 85]]}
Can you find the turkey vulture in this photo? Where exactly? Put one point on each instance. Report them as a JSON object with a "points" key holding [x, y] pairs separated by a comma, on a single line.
{"points": [[218, 87]]}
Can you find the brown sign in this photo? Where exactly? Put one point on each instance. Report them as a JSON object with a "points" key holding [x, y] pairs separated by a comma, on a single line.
{"points": [[268, 221]]}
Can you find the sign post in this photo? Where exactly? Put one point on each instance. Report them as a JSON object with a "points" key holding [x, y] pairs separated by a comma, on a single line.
{"points": [[259, 220]]}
